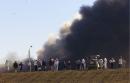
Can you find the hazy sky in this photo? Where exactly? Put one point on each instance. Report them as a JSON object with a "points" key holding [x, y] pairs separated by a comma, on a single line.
{"points": [[29, 22]]}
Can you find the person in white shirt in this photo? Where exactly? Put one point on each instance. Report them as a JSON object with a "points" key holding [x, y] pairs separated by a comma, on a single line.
{"points": [[101, 63], [105, 63], [83, 64], [36, 65], [97, 63], [7, 64], [56, 64], [112, 62], [120, 62]]}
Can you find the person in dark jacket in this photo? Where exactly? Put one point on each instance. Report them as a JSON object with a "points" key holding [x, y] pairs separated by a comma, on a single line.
{"points": [[51, 64], [44, 65], [15, 65], [78, 62], [21, 66], [39, 63]]}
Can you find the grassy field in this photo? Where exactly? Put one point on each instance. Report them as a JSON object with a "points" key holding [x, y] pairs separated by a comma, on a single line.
{"points": [[69, 76]]}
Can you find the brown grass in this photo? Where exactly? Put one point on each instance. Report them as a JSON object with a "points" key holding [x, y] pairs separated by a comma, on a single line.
{"points": [[91, 76]]}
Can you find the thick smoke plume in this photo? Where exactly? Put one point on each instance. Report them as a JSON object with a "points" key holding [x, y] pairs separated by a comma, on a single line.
{"points": [[12, 56], [103, 29]]}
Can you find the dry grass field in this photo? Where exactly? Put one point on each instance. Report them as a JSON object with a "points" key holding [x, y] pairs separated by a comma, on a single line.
{"points": [[69, 76]]}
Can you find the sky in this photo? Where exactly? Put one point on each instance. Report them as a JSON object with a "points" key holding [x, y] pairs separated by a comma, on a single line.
{"points": [[30, 22]]}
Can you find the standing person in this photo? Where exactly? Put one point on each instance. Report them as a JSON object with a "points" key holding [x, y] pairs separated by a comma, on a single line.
{"points": [[21, 66], [69, 64], [120, 62], [44, 66], [51, 64], [39, 63], [7, 65], [112, 62], [105, 63], [83, 64], [97, 63], [15, 65], [35, 65], [124, 63], [101, 63], [78, 63], [64, 65], [87, 63], [56, 64]]}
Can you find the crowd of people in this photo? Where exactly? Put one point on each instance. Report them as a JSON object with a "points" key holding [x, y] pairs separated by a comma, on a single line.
{"points": [[56, 64]]}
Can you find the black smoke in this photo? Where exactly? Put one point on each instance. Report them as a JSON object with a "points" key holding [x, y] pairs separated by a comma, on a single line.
{"points": [[103, 29]]}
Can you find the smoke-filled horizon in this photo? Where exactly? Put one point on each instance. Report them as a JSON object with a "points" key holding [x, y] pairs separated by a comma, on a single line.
{"points": [[101, 29]]}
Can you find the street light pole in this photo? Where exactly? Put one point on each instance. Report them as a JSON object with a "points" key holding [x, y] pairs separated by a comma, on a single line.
{"points": [[29, 54]]}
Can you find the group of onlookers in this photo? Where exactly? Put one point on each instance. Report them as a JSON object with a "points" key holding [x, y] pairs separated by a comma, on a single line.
{"points": [[42, 65], [16, 65], [80, 64], [112, 63]]}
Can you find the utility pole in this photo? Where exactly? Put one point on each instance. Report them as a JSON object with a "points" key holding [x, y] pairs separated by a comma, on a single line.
{"points": [[29, 54]]}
